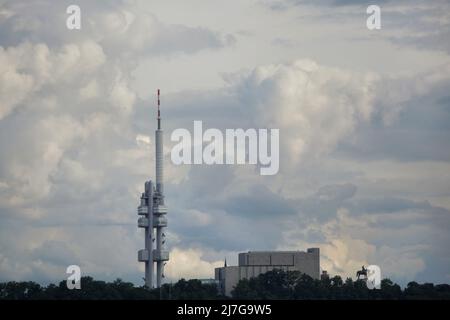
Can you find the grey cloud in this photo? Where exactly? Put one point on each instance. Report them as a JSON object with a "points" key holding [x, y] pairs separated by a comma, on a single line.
{"points": [[55, 252], [323, 204], [336, 192], [420, 133], [282, 42], [286, 4], [259, 203], [118, 26], [422, 26], [233, 211], [388, 205]]}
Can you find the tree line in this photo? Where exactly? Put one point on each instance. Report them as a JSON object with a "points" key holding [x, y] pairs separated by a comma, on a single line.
{"points": [[276, 284]]}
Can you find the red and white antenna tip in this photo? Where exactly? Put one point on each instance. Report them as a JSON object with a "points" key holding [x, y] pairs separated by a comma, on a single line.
{"points": [[159, 113]]}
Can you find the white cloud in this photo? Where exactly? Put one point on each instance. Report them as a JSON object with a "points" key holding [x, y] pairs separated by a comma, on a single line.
{"points": [[316, 107], [188, 263]]}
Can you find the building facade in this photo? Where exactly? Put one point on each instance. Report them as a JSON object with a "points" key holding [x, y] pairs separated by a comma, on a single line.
{"points": [[253, 263]]}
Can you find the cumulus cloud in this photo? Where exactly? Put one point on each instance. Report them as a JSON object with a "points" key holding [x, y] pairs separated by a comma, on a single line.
{"points": [[27, 68], [122, 28], [316, 107], [189, 263], [52, 111]]}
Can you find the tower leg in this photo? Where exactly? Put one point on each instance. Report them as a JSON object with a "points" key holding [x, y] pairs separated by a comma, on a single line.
{"points": [[149, 237], [159, 264], [149, 263]]}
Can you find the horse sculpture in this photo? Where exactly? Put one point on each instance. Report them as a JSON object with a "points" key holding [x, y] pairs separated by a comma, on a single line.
{"points": [[362, 272]]}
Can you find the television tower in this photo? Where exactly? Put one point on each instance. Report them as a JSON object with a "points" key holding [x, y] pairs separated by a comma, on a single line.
{"points": [[153, 220]]}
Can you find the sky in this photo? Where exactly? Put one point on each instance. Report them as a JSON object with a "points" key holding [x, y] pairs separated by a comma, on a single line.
{"points": [[364, 120]]}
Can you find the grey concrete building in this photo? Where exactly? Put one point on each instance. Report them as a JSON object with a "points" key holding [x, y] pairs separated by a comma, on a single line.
{"points": [[253, 263]]}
